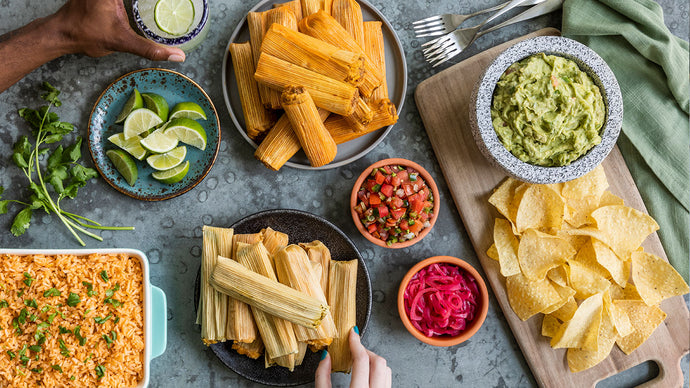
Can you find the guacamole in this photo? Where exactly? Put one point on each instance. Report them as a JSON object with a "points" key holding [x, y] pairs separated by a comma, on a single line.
{"points": [[546, 111]]}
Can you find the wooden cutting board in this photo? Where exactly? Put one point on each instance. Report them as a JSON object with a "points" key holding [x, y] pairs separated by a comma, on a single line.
{"points": [[443, 102]]}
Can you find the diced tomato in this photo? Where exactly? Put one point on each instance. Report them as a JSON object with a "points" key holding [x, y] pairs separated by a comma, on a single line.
{"points": [[371, 228], [379, 178], [428, 204], [397, 202], [416, 205], [408, 187], [403, 175], [387, 169], [397, 213], [391, 222], [416, 227], [374, 200], [423, 194], [383, 211], [387, 190], [404, 225], [395, 181], [370, 185], [412, 198], [423, 217]]}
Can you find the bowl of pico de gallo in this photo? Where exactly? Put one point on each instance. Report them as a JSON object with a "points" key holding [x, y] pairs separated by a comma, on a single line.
{"points": [[394, 203]]}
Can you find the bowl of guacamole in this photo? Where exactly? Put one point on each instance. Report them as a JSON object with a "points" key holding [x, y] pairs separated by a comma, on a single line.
{"points": [[547, 110]]}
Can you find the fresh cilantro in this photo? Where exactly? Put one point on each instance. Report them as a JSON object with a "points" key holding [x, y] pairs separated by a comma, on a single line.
{"points": [[51, 292], [77, 333], [3, 303], [73, 299], [31, 303], [89, 288], [64, 330], [116, 303], [28, 279], [61, 170], [35, 348], [101, 321], [11, 354], [104, 276], [63, 348], [57, 368], [100, 371]]}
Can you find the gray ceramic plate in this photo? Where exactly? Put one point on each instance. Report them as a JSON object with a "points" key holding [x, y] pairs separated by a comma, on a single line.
{"points": [[301, 227], [396, 76]]}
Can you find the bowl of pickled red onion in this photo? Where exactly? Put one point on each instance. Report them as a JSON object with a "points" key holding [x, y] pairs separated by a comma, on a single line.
{"points": [[442, 301]]}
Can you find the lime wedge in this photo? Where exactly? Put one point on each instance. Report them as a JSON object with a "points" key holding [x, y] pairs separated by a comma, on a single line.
{"points": [[187, 131], [172, 175], [188, 110], [124, 165], [157, 104], [159, 142], [130, 145], [174, 16], [133, 102], [168, 160], [139, 121]]}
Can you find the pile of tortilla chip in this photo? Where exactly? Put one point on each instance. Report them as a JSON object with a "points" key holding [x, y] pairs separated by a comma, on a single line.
{"points": [[572, 252]]}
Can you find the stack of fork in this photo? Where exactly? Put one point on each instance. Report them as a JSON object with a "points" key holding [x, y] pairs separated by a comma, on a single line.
{"points": [[453, 41]]}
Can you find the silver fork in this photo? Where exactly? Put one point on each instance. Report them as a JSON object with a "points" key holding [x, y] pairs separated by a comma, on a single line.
{"points": [[443, 24], [446, 47]]}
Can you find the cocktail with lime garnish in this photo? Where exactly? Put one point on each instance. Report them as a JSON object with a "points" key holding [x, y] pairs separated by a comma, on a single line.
{"points": [[178, 23]]}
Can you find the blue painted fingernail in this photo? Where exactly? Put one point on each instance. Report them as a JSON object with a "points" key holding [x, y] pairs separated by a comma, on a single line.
{"points": [[356, 330], [323, 354]]}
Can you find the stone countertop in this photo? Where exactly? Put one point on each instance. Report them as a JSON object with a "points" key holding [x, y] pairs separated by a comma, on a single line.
{"points": [[169, 232]]}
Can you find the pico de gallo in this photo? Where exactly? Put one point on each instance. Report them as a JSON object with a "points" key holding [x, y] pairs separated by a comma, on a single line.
{"points": [[395, 204]]}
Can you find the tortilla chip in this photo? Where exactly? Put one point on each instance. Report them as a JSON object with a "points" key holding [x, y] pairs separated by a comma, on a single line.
{"points": [[578, 210], [549, 326], [587, 257], [581, 359], [492, 253], [616, 291], [506, 247], [530, 297], [615, 267], [565, 292], [582, 330], [574, 239], [558, 275], [585, 281], [540, 208], [655, 279], [566, 312], [644, 319], [630, 292], [592, 184], [502, 198], [539, 252], [608, 199], [619, 318], [624, 228]]}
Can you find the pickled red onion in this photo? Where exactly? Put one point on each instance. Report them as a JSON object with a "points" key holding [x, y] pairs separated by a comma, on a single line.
{"points": [[441, 299]]}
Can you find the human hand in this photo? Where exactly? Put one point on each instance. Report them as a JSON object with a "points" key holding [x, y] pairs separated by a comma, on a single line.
{"points": [[368, 368], [98, 28]]}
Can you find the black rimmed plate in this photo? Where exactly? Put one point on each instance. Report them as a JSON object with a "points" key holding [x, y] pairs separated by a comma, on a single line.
{"points": [[175, 88], [396, 76], [301, 227]]}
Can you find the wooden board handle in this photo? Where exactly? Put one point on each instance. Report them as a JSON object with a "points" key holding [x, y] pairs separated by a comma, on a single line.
{"points": [[670, 374]]}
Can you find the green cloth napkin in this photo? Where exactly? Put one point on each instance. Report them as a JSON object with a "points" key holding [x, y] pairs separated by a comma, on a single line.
{"points": [[651, 65]]}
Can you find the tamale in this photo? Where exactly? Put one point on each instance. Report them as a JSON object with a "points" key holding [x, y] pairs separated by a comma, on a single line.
{"points": [[313, 54], [248, 283], [294, 269], [240, 319], [258, 23], [250, 349], [213, 305], [330, 94], [319, 253], [324, 27], [349, 15], [341, 130], [342, 290], [256, 118], [299, 357], [274, 240], [312, 6], [374, 48], [247, 238], [316, 142], [281, 143], [294, 5], [361, 117]]}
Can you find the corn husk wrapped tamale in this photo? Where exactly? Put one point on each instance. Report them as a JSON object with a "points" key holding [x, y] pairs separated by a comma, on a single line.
{"points": [[294, 5], [295, 270], [330, 94], [274, 240], [305, 121], [349, 15], [320, 254], [324, 27], [374, 48], [313, 54], [341, 130], [361, 117], [240, 318], [312, 6], [213, 306], [252, 349], [257, 119], [342, 289]]}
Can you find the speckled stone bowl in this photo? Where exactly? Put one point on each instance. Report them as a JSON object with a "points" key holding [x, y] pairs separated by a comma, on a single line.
{"points": [[589, 62]]}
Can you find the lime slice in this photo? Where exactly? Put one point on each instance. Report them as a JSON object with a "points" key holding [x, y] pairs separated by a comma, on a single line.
{"points": [[130, 145], [140, 121], [188, 110], [172, 175], [133, 102], [157, 104], [168, 160], [159, 142], [187, 131], [124, 165], [174, 16]]}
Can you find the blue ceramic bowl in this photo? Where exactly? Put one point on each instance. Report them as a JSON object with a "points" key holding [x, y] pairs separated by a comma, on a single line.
{"points": [[175, 88]]}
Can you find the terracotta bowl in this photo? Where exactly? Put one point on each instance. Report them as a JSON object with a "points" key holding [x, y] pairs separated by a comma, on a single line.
{"points": [[401, 162], [471, 328]]}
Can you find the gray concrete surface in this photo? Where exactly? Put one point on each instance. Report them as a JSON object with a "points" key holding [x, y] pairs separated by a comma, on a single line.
{"points": [[169, 232]]}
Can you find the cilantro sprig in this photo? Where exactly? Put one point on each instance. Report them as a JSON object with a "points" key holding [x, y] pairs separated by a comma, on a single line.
{"points": [[61, 170]]}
